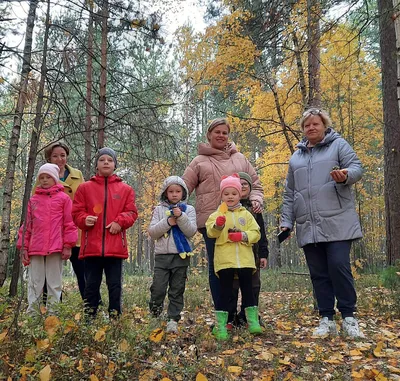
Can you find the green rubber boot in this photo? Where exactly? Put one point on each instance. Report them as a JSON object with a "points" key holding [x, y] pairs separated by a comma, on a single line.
{"points": [[252, 320], [219, 331]]}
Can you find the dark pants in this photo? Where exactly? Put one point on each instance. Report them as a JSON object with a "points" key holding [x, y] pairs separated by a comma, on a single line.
{"points": [[330, 271], [226, 277], [170, 272], [212, 278], [256, 287], [94, 267], [79, 269]]}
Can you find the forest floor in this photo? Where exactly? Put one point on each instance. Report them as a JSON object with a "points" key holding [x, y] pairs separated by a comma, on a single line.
{"points": [[136, 347]]}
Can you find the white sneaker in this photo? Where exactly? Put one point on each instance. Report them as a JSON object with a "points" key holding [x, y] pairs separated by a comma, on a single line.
{"points": [[172, 326], [326, 327], [350, 328]]}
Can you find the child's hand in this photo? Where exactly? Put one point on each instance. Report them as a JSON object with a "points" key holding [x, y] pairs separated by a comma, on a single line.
{"points": [[90, 220], [263, 263], [114, 227], [220, 221], [176, 212], [171, 221], [25, 257], [236, 236], [66, 253]]}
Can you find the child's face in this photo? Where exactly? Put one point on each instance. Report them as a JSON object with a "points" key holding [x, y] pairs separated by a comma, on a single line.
{"points": [[174, 193], [105, 165], [46, 181], [231, 196], [245, 188]]}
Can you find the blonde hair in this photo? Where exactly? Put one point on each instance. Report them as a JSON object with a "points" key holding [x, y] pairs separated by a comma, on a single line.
{"points": [[217, 122], [326, 120]]}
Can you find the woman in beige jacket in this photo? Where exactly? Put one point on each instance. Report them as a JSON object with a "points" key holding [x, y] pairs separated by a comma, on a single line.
{"points": [[217, 158]]}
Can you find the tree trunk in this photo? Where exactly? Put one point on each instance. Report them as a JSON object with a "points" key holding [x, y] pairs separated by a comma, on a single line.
{"points": [[300, 69], [14, 141], [314, 70], [89, 84], [103, 76], [391, 117], [396, 18]]}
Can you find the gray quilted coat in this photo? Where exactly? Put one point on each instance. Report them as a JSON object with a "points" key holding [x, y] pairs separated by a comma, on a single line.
{"points": [[159, 229], [322, 209]]}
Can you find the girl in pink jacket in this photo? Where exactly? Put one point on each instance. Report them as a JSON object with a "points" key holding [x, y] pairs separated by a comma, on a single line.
{"points": [[46, 237]]}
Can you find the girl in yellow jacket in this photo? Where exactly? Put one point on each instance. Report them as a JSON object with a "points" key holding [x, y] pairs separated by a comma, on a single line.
{"points": [[235, 230]]}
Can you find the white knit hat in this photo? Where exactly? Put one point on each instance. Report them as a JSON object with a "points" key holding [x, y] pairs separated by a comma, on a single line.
{"points": [[51, 170]]}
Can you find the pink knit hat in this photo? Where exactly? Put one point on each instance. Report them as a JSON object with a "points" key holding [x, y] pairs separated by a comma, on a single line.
{"points": [[231, 182], [51, 170]]}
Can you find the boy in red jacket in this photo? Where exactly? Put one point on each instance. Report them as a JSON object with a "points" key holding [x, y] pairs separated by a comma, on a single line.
{"points": [[104, 208]]}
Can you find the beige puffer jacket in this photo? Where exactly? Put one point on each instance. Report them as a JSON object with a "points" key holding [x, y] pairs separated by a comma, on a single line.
{"points": [[204, 175]]}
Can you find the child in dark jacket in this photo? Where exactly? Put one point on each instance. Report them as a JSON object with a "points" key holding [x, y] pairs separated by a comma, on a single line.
{"points": [[260, 250], [46, 237], [172, 223], [104, 208]]}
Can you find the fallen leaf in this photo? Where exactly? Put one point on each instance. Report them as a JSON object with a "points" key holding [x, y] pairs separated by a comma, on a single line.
{"points": [[235, 369], [80, 366], [157, 335], [93, 377], [44, 374], [43, 344], [201, 377], [3, 336], [378, 350], [30, 355], [26, 370], [123, 346], [51, 325], [100, 335]]}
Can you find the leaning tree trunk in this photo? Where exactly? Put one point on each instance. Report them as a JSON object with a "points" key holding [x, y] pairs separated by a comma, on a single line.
{"points": [[314, 59], [89, 108], [14, 141], [391, 117], [103, 76], [37, 127]]}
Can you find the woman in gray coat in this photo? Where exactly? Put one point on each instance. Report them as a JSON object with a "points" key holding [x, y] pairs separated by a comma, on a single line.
{"points": [[318, 198]]}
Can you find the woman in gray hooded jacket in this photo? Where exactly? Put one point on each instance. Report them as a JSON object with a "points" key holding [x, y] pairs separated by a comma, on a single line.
{"points": [[318, 198]]}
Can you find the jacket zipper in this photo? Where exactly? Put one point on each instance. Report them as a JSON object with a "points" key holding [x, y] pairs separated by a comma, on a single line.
{"points": [[123, 239], [309, 194], [236, 243], [338, 197], [104, 216]]}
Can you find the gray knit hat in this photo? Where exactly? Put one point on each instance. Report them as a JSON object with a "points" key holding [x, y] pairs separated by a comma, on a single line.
{"points": [[106, 151], [246, 176]]}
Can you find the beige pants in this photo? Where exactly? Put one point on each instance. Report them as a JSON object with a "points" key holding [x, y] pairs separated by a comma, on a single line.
{"points": [[44, 268]]}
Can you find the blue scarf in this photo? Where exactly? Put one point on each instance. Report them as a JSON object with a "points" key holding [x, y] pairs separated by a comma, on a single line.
{"points": [[180, 239]]}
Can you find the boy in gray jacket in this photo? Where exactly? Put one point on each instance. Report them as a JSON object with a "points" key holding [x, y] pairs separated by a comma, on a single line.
{"points": [[172, 223]]}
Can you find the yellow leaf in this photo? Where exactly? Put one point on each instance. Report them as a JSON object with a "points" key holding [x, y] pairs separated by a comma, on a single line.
{"points": [[285, 361], [378, 350], [355, 352], [380, 377], [80, 366], [2, 336], [93, 377], [70, 326], [355, 374], [229, 352], [43, 310], [358, 263], [201, 377], [310, 358], [100, 335], [43, 344], [1, 79], [26, 370], [286, 326], [235, 369], [44, 374], [51, 325], [30, 355], [166, 379], [288, 376], [267, 356], [77, 317], [157, 335], [123, 346], [147, 375], [393, 369], [223, 208]]}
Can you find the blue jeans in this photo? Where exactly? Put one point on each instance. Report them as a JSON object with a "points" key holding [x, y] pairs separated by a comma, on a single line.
{"points": [[330, 271], [212, 278]]}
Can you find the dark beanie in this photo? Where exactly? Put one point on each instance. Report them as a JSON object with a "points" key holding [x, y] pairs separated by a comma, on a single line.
{"points": [[106, 151], [246, 176]]}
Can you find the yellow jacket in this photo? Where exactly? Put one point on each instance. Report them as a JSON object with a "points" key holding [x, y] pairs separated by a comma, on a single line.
{"points": [[230, 254], [71, 184]]}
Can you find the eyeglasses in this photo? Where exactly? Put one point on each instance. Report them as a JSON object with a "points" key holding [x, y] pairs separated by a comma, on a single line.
{"points": [[311, 112], [245, 185]]}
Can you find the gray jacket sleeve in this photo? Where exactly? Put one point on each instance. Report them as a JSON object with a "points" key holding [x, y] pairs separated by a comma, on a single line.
{"points": [[187, 222], [159, 224], [287, 218], [349, 160]]}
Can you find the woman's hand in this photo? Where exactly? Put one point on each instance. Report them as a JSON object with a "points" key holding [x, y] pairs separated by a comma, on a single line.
{"points": [[114, 227], [257, 208], [339, 175], [90, 220]]}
